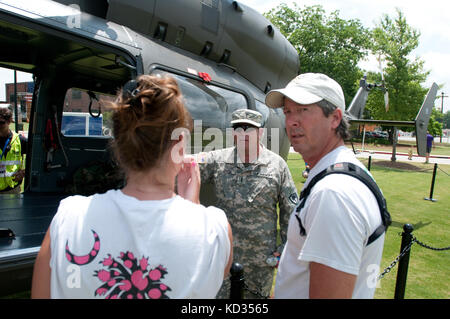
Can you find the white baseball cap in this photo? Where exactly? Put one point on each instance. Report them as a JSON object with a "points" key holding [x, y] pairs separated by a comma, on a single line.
{"points": [[308, 88], [247, 116]]}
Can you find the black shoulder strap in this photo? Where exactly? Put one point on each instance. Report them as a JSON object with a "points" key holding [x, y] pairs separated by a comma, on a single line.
{"points": [[356, 172]]}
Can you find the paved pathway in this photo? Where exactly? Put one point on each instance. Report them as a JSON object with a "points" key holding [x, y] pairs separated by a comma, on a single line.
{"points": [[401, 157]]}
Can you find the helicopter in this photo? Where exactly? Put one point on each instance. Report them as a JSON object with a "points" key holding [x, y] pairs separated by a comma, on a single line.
{"points": [[224, 56]]}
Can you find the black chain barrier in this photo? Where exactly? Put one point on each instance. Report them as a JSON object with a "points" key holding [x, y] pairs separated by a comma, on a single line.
{"points": [[428, 246], [443, 171], [238, 284], [255, 292], [396, 260], [404, 251], [403, 260]]}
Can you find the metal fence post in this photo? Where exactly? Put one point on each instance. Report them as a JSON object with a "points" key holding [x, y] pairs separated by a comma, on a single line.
{"points": [[432, 184], [369, 163], [402, 271], [237, 281]]}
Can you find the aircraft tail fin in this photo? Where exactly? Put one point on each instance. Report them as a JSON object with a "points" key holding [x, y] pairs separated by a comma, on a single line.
{"points": [[356, 108], [422, 119]]}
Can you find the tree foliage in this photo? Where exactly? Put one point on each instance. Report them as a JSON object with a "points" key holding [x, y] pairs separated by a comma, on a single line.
{"points": [[325, 44], [435, 125], [446, 120], [395, 40], [334, 46]]}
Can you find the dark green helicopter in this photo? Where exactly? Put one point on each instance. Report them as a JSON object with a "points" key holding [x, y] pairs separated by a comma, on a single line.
{"points": [[224, 55]]}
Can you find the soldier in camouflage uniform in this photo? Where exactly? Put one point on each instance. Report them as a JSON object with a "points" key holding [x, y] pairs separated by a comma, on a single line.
{"points": [[248, 190]]}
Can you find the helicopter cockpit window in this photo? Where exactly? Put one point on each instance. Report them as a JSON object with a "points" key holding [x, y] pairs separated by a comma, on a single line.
{"points": [[81, 115], [278, 112], [210, 106], [263, 109]]}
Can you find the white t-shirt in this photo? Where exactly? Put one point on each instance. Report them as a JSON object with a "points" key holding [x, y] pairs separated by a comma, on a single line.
{"points": [[339, 216], [115, 246]]}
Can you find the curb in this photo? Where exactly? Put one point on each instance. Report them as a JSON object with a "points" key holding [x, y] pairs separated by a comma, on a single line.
{"points": [[291, 150], [403, 154]]}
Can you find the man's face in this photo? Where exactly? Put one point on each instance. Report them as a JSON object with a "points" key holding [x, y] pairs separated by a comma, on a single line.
{"points": [[309, 130], [246, 137], [4, 126]]}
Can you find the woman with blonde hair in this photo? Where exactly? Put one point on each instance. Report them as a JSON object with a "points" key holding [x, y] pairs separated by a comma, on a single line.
{"points": [[142, 241]]}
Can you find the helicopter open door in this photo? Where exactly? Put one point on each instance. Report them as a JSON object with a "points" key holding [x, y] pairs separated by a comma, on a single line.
{"points": [[67, 63]]}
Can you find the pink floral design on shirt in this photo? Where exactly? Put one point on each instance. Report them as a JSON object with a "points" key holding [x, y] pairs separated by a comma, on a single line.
{"points": [[130, 278]]}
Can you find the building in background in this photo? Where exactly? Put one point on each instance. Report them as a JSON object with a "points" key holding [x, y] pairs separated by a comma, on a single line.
{"points": [[24, 98]]}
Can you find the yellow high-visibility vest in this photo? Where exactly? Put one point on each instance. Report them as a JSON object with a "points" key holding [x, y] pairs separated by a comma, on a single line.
{"points": [[11, 163]]}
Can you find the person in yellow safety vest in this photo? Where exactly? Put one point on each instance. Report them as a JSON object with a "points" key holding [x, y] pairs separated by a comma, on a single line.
{"points": [[12, 148]]}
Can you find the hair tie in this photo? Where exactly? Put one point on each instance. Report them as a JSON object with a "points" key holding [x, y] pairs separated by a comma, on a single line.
{"points": [[135, 92], [130, 90]]}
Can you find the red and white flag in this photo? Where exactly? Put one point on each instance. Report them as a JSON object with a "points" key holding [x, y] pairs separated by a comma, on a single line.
{"points": [[28, 97]]}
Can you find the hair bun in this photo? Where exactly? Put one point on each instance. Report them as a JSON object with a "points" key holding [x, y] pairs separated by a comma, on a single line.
{"points": [[148, 110]]}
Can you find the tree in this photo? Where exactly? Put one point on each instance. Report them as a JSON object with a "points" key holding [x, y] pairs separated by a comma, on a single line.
{"points": [[325, 44], [395, 40], [446, 120], [434, 125]]}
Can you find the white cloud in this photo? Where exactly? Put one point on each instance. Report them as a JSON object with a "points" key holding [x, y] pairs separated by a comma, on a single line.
{"points": [[439, 64]]}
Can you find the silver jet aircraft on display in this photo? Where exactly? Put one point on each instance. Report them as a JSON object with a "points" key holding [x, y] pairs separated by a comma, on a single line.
{"points": [[420, 123]]}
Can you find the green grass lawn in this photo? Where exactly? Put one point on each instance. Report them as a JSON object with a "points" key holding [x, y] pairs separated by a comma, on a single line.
{"points": [[429, 273]]}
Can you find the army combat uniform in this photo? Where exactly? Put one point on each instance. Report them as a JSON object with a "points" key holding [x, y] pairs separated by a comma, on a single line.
{"points": [[249, 194]]}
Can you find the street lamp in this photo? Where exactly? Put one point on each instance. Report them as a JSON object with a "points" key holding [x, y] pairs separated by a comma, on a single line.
{"points": [[442, 102]]}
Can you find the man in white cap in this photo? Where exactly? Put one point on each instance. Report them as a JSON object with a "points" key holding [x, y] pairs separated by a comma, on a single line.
{"points": [[250, 181], [327, 254]]}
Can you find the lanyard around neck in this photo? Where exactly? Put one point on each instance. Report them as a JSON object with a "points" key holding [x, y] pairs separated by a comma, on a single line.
{"points": [[4, 147]]}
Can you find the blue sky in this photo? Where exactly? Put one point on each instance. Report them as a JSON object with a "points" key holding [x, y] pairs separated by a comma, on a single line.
{"points": [[429, 17]]}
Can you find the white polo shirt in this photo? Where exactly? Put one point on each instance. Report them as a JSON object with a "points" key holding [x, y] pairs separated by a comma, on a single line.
{"points": [[339, 215]]}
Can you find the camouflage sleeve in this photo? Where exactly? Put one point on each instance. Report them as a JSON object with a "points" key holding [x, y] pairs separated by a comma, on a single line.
{"points": [[287, 201]]}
